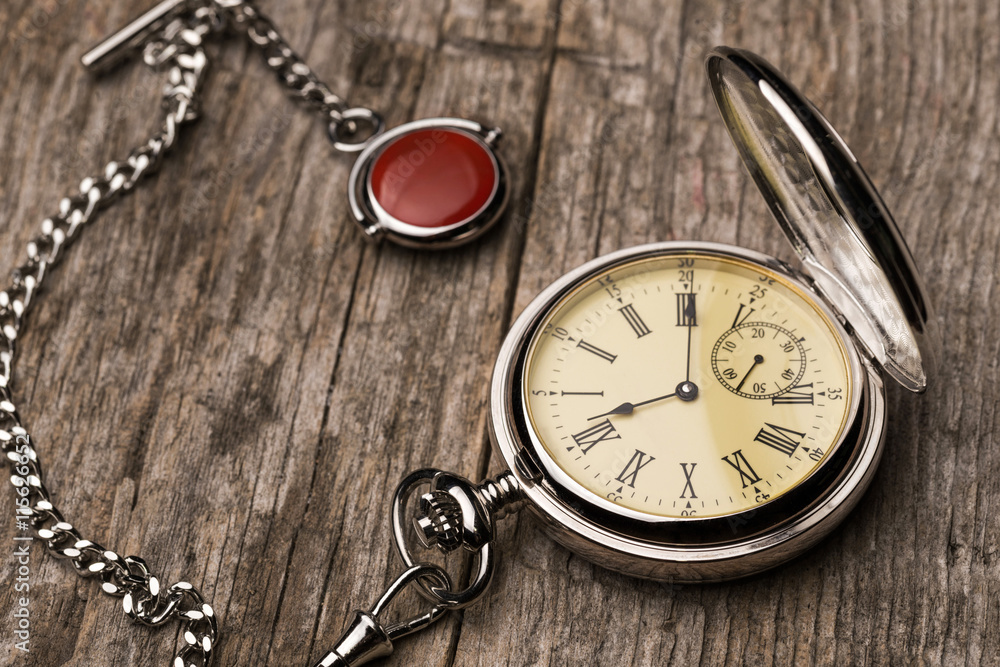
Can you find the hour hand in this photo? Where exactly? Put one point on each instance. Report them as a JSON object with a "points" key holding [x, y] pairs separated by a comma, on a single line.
{"points": [[627, 408], [623, 409]]}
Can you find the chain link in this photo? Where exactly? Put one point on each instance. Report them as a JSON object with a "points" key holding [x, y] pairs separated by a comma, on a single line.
{"points": [[180, 50], [279, 56], [176, 47], [351, 129]]}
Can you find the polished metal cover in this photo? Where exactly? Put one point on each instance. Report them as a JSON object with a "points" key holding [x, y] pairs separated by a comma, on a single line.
{"points": [[830, 211]]}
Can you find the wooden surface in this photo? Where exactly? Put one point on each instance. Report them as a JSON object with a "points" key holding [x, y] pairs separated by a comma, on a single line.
{"points": [[226, 379]]}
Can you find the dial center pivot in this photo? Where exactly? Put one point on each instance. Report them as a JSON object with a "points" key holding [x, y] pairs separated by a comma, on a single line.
{"points": [[687, 391]]}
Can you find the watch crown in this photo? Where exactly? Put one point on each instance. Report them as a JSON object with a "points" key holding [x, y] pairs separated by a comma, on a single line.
{"points": [[439, 521]]}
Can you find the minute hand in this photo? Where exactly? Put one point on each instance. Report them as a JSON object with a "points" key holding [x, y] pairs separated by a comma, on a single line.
{"points": [[627, 408], [690, 320]]}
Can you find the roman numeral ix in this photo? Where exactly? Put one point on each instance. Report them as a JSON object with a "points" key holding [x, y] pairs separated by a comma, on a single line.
{"points": [[638, 461], [743, 467]]}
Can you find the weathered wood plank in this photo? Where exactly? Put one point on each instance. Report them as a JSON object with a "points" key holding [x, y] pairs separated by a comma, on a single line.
{"points": [[227, 380], [273, 311], [387, 414]]}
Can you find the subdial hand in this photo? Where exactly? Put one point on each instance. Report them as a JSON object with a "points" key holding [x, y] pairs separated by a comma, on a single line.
{"points": [[757, 359]]}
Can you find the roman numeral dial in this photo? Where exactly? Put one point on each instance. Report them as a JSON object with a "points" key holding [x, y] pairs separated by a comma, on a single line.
{"points": [[688, 483], [597, 352], [682, 386], [687, 311]]}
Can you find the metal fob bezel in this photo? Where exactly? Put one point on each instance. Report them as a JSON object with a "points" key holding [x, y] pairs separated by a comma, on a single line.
{"points": [[378, 223], [689, 549]]}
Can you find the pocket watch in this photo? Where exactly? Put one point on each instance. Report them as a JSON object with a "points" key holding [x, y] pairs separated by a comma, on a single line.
{"points": [[692, 411]]}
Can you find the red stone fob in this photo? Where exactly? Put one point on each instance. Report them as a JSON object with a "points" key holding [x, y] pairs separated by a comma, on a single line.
{"points": [[433, 183]]}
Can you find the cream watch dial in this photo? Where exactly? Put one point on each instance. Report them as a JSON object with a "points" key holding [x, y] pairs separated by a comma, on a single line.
{"points": [[687, 385]]}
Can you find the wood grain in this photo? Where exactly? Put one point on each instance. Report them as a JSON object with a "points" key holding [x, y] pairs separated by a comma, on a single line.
{"points": [[226, 379]]}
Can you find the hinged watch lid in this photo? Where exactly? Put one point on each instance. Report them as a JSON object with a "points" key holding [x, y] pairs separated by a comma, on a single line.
{"points": [[829, 209]]}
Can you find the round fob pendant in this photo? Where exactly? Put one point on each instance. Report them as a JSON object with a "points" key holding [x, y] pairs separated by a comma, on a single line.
{"points": [[432, 183]]}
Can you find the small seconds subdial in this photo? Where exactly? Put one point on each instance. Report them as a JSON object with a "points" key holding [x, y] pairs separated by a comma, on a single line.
{"points": [[758, 360]]}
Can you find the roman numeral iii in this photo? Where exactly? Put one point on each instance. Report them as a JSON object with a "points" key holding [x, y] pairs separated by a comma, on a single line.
{"points": [[634, 321], [687, 314]]}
